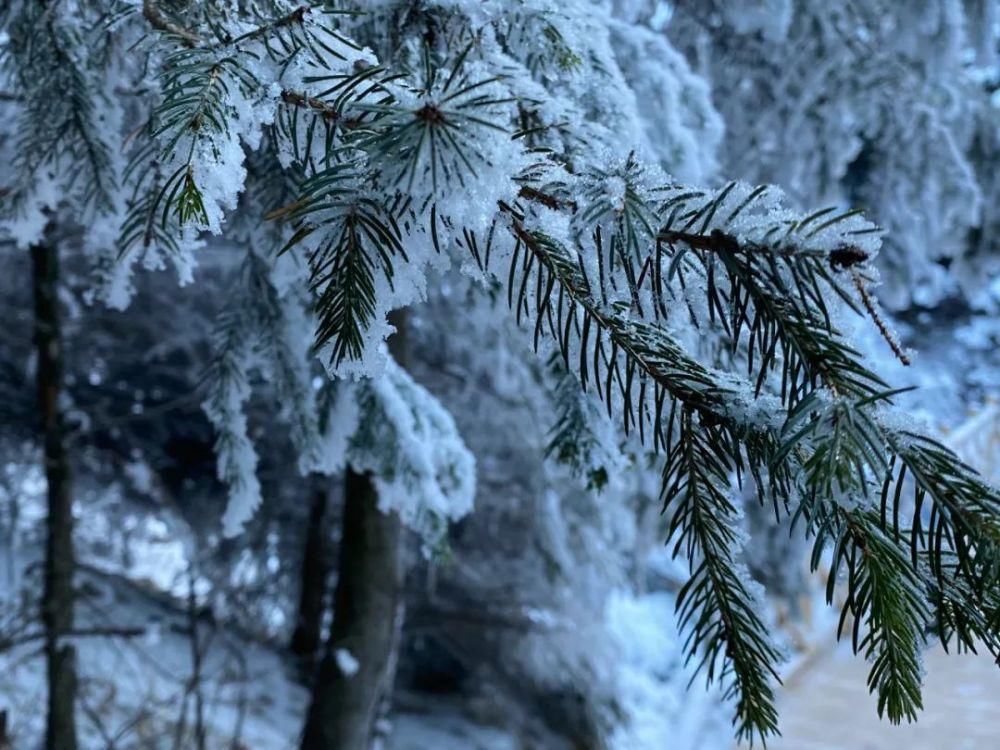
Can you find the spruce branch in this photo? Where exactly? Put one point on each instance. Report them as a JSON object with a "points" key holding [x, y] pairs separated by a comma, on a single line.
{"points": [[358, 240], [199, 83], [142, 227], [702, 452], [807, 423], [294, 18], [835, 435], [318, 137], [160, 21], [45, 56], [776, 292], [716, 604], [887, 597], [434, 131]]}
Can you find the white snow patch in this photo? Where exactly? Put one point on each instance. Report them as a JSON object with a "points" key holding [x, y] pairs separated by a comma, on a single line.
{"points": [[346, 662]]}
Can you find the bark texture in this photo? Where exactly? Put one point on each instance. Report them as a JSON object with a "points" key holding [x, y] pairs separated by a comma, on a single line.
{"points": [[57, 604], [306, 639], [344, 706]]}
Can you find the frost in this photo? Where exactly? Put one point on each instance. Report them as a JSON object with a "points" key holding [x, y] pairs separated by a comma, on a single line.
{"points": [[682, 130], [884, 121], [422, 468], [236, 456], [342, 419]]}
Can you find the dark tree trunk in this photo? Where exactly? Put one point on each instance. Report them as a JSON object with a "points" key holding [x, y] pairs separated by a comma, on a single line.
{"points": [[4, 736], [367, 612], [305, 641], [344, 706], [57, 605]]}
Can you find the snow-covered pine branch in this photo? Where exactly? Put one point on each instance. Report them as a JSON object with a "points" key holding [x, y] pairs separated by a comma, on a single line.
{"points": [[509, 137]]}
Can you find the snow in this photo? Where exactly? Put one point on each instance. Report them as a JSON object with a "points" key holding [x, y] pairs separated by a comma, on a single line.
{"points": [[447, 732], [422, 468], [346, 662], [652, 673], [834, 103]]}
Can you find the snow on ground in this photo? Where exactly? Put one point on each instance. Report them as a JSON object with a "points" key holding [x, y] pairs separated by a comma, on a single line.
{"points": [[653, 678], [447, 732], [828, 707], [134, 690]]}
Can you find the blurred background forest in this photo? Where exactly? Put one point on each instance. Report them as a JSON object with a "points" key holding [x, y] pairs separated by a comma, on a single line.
{"points": [[541, 615]]}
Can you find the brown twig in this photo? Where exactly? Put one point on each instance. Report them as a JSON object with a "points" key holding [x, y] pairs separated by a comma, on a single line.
{"points": [[842, 257], [297, 99], [159, 21], [716, 241], [152, 13], [884, 329], [295, 17], [547, 200]]}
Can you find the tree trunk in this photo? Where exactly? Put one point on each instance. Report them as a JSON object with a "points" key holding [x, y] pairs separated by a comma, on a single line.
{"points": [[57, 605], [4, 736], [343, 710], [305, 641], [346, 703]]}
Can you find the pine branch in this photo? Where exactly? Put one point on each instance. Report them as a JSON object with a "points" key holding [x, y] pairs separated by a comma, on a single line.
{"points": [[700, 455], [294, 18], [716, 604], [964, 518], [334, 110], [572, 440], [199, 81], [160, 21], [359, 239], [606, 295], [841, 446], [776, 291], [48, 66], [436, 134], [887, 597], [288, 368]]}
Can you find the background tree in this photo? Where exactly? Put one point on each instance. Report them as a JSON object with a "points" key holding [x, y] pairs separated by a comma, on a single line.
{"points": [[351, 157]]}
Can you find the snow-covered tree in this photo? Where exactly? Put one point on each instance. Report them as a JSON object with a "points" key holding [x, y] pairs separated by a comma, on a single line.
{"points": [[875, 103], [350, 152]]}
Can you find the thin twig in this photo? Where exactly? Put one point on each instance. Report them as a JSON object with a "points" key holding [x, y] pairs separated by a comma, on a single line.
{"points": [[295, 17], [303, 100], [100, 632], [159, 21], [886, 332], [152, 13], [547, 200]]}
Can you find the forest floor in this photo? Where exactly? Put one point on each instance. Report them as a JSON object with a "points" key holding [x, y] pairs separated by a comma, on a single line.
{"points": [[826, 706]]}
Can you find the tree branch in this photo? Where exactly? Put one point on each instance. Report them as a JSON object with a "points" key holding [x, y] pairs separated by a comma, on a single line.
{"points": [[99, 632], [156, 18]]}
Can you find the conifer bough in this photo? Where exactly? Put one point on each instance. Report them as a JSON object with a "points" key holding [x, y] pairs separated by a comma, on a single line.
{"points": [[377, 141]]}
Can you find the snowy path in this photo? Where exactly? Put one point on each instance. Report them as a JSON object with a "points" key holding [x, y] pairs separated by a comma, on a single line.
{"points": [[826, 704], [827, 707]]}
